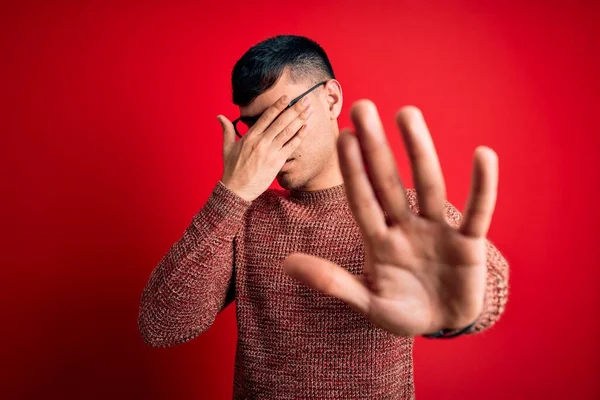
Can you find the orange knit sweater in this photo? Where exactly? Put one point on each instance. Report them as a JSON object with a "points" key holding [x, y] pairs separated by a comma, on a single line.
{"points": [[293, 342]]}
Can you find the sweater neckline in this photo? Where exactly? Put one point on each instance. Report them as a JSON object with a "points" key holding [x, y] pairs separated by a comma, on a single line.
{"points": [[318, 196]]}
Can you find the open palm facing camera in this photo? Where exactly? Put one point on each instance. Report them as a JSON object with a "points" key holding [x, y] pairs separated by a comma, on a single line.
{"points": [[421, 274]]}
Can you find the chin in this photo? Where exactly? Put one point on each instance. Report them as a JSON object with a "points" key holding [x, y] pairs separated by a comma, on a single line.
{"points": [[285, 182], [289, 181]]}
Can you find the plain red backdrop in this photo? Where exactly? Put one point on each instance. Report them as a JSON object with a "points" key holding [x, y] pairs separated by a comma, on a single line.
{"points": [[111, 145]]}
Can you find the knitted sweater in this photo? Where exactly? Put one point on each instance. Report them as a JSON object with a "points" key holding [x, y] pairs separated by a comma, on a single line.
{"points": [[293, 341]]}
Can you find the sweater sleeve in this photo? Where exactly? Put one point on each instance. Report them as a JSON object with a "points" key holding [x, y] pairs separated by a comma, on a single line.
{"points": [[194, 280], [497, 287]]}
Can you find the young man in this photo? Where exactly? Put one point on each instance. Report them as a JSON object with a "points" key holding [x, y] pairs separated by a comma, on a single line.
{"points": [[335, 275]]}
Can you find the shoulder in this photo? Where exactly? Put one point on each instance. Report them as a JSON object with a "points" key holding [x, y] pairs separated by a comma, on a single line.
{"points": [[451, 213]]}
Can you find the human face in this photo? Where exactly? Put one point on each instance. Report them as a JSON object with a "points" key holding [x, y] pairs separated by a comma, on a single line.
{"points": [[314, 162]]}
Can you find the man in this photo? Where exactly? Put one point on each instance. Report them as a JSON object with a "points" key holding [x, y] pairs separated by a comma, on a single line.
{"points": [[334, 276]]}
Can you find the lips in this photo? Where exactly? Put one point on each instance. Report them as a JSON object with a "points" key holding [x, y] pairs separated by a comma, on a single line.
{"points": [[287, 164]]}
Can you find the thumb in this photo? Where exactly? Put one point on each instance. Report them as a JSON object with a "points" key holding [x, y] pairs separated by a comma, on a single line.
{"points": [[228, 132], [330, 279]]}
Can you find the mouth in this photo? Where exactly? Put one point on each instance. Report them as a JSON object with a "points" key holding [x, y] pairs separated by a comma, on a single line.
{"points": [[286, 165]]}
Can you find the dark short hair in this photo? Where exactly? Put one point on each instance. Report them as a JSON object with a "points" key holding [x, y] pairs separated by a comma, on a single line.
{"points": [[262, 65]]}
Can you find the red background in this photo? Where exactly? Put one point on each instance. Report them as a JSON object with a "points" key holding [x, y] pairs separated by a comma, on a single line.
{"points": [[111, 146]]}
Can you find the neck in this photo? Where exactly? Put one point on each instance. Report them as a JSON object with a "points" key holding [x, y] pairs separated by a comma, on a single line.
{"points": [[325, 181], [330, 176], [325, 187]]}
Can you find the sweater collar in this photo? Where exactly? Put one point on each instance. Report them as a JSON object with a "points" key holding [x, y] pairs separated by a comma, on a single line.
{"points": [[319, 196]]}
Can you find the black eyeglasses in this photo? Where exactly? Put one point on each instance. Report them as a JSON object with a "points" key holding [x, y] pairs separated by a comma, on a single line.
{"points": [[248, 121]]}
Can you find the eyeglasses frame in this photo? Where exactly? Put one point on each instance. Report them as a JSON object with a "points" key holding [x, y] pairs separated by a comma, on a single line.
{"points": [[256, 117]]}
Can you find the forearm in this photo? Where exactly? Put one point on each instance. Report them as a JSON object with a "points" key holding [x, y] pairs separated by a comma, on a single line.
{"points": [[189, 286], [497, 288], [497, 274]]}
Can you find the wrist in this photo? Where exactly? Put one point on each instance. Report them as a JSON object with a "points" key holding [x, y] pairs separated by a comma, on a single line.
{"points": [[237, 191], [450, 333]]}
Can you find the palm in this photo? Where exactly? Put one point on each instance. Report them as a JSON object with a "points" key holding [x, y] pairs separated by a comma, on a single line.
{"points": [[421, 274], [403, 296]]}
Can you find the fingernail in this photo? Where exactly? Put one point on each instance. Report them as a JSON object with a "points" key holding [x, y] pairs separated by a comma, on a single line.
{"points": [[285, 99], [306, 100]]}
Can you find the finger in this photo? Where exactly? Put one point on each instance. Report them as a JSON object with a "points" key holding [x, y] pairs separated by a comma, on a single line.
{"points": [[299, 111], [482, 197], [290, 130], [426, 171], [379, 160], [268, 116], [329, 278], [294, 142], [361, 198], [228, 133]]}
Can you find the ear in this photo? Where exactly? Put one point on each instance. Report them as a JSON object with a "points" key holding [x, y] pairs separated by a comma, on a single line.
{"points": [[333, 93]]}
